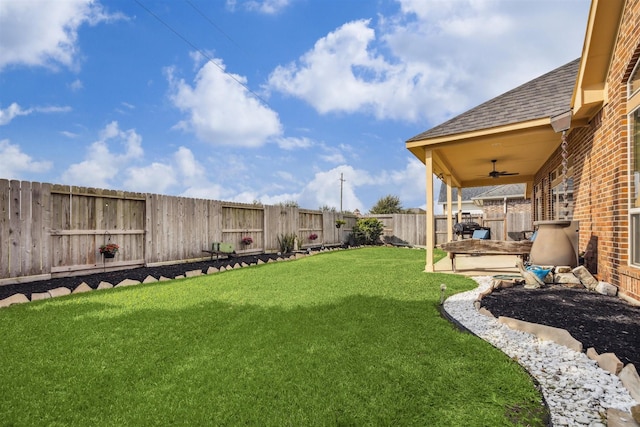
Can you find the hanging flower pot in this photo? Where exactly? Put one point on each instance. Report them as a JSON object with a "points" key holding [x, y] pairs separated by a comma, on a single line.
{"points": [[109, 250], [340, 223], [247, 240]]}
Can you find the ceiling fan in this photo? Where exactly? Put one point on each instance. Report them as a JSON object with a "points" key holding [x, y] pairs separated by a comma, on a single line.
{"points": [[497, 174]]}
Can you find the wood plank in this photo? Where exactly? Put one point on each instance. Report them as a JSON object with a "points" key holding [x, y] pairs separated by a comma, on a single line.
{"points": [[15, 229], [5, 227], [37, 237], [45, 204], [93, 232], [26, 241], [488, 247]]}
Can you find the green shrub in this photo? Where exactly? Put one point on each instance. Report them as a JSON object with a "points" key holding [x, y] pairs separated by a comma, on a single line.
{"points": [[286, 242], [367, 231]]}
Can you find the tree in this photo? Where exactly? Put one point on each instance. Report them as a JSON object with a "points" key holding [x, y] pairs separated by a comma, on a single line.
{"points": [[289, 204], [327, 208], [367, 231], [389, 204]]}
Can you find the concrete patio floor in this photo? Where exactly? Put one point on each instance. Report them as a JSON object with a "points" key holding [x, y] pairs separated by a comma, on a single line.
{"points": [[479, 265]]}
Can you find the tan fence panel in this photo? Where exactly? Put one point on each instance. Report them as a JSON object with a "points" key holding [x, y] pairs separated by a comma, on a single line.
{"points": [[410, 229], [5, 228], [497, 228], [179, 228], [517, 223], [24, 208], [82, 219], [332, 234], [310, 222], [239, 221]]}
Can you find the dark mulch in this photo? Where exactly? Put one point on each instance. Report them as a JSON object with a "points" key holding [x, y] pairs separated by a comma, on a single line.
{"points": [[115, 277], [608, 324]]}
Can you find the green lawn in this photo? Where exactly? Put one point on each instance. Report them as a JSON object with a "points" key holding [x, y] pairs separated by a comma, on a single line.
{"points": [[340, 338]]}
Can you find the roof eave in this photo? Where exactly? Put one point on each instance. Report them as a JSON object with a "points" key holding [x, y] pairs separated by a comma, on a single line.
{"points": [[590, 92]]}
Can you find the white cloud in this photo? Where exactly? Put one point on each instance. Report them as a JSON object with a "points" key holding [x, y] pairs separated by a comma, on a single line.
{"points": [[268, 7], [45, 33], [193, 177], [14, 110], [340, 73], [188, 166], [426, 61], [291, 143], [344, 72], [13, 162], [76, 85], [11, 112], [324, 188], [410, 183], [286, 176], [69, 134], [155, 178], [221, 111], [333, 158], [102, 167]]}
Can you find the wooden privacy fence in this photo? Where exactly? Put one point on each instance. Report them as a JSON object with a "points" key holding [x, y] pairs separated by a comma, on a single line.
{"points": [[49, 230]]}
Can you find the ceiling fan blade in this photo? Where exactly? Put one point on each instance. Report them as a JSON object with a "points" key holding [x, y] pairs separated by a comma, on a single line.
{"points": [[497, 174]]}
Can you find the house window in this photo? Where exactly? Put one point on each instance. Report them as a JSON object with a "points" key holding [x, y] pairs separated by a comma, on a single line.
{"points": [[634, 183], [634, 82]]}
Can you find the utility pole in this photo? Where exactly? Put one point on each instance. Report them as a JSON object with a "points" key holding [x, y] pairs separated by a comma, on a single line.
{"points": [[342, 180]]}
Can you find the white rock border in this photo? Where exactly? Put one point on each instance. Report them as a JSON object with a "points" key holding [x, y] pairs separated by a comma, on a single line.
{"points": [[577, 391]]}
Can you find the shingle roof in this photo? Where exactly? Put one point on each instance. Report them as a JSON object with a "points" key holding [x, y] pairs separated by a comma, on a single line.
{"points": [[487, 192], [500, 191], [545, 96], [467, 193]]}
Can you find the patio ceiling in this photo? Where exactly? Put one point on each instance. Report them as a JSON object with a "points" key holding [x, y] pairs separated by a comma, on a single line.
{"points": [[520, 148]]}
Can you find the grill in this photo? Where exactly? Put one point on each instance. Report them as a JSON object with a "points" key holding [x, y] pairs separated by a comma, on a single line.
{"points": [[466, 228]]}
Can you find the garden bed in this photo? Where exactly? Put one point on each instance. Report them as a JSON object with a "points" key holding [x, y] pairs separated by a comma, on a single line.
{"points": [[608, 324]]}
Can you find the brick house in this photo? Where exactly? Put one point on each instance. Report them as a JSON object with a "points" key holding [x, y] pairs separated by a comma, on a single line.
{"points": [[593, 105]]}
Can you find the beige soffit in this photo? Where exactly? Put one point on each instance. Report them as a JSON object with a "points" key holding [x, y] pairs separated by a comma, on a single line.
{"points": [[602, 31]]}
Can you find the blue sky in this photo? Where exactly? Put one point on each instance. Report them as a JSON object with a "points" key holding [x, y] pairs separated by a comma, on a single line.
{"points": [[258, 100]]}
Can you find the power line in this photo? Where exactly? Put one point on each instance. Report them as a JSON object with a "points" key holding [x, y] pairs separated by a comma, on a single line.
{"points": [[204, 54], [213, 24]]}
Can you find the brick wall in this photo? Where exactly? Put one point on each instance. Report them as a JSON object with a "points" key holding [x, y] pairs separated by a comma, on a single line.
{"points": [[495, 208], [600, 159]]}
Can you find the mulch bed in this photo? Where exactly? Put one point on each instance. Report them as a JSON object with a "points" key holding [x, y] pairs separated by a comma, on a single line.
{"points": [[141, 273], [608, 324]]}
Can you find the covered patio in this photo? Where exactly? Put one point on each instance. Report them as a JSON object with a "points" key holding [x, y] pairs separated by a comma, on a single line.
{"points": [[516, 132]]}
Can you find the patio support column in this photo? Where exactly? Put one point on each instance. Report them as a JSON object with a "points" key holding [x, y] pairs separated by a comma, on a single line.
{"points": [[449, 210], [459, 204], [430, 229]]}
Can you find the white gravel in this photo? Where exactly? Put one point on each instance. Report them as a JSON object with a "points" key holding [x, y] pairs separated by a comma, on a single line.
{"points": [[577, 391]]}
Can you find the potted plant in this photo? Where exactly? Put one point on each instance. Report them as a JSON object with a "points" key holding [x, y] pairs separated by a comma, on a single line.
{"points": [[109, 250], [313, 236], [340, 223], [247, 240]]}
